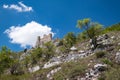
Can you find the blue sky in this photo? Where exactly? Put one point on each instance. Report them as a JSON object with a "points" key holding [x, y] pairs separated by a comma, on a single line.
{"points": [[59, 15]]}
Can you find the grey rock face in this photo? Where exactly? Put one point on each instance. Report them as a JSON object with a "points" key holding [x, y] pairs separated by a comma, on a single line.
{"points": [[66, 58], [104, 42], [94, 72]]}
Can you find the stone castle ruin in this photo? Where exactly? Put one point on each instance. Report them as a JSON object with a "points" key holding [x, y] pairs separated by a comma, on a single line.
{"points": [[40, 41]]}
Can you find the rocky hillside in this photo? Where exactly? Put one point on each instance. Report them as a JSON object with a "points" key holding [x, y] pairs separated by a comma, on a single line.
{"points": [[79, 62]]}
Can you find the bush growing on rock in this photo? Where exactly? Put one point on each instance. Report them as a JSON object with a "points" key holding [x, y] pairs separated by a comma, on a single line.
{"points": [[100, 54], [81, 37], [107, 61], [69, 40]]}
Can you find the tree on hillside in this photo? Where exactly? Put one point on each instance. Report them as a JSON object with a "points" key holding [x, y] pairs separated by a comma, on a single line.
{"points": [[49, 50], [81, 37], [69, 39], [36, 55], [6, 58], [67, 42], [91, 29]]}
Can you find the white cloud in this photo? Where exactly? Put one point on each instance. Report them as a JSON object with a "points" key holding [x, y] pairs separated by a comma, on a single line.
{"points": [[26, 35], [16, 7], [5, 6], [20, 8], [25, 8]]}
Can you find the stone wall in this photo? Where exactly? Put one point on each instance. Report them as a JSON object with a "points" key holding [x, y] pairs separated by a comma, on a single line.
{"points": [[41, 41], [46, 38], [38, 42]]}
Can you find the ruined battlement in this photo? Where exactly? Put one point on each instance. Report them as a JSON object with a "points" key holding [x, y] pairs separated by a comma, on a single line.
{"points": [[47, 38], [40, 41]]}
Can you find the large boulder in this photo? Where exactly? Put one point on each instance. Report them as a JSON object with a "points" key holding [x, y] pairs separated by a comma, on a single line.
{"points": [[34, 69]]}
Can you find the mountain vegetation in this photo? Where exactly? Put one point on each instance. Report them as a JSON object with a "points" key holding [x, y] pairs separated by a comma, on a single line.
{"points": [[74, 57]]}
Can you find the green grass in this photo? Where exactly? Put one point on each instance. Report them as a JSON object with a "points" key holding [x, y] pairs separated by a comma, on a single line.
{"points": [[113, 74], [70, 70], [15, 77]]}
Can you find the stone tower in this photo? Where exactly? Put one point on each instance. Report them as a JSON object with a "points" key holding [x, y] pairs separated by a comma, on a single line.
{"points": [[38, 42], [41, 41]]}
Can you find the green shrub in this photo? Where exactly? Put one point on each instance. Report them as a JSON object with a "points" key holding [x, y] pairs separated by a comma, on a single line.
{"points": [[101, 78], [107, 61], [100, 54], [15, 77], [81, 37], [69, 39]]}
